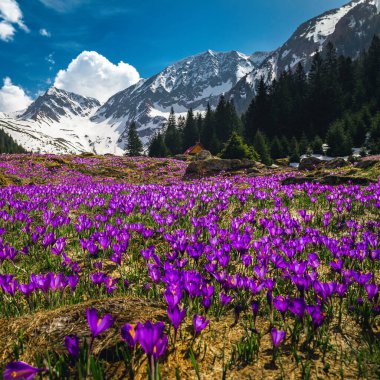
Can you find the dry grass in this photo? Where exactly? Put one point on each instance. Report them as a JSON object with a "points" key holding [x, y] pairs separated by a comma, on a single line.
{"points": [[45, 331]]}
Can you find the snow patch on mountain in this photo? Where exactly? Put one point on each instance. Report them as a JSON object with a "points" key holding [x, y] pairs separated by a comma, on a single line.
{"points": [[325, 25]]}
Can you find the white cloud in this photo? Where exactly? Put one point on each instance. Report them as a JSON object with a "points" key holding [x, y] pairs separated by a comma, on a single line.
{"points": [[91, 74], [13, 98], [10, 15], [63, 5], [45, 33], [7, 31]]}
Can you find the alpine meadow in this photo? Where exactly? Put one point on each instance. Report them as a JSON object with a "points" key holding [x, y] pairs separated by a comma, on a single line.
{"points": [[209, 217]]}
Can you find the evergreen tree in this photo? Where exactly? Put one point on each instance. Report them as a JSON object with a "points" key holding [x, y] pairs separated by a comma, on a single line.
{"points": [[339, 140], [190, 133], [235, 147], [285, 145], [172, 136], [8, 145], [262, 148], [208, 133], [304, 144], [317, 145], [134, 144], [277, 150], [157, 147], [374, 135], [371, 71], [294, 150], [223, 127]]}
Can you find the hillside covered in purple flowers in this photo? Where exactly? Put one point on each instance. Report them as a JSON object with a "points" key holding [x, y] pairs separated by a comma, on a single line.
{"points": [[118, 267]]}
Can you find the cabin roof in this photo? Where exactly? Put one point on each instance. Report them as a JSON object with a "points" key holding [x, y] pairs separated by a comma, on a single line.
{"points": [[189, 150]]}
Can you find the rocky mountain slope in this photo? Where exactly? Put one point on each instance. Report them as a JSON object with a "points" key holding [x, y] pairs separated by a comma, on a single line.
{"points": [[350, 28], [189, 83]]}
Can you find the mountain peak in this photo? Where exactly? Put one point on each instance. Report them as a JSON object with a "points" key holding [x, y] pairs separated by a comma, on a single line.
{"points": [[52, 91], [57, 103]]}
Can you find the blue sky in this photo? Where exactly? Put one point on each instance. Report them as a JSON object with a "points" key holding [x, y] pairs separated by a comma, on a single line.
{"points": [[147, 34]]}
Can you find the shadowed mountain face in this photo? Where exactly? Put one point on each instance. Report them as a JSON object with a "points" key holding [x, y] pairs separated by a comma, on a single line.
{"points": [[190, 83], [56, 104]]}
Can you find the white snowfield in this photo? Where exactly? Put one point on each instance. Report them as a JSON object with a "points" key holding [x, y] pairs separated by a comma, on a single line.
{"points": [[69, 135]]}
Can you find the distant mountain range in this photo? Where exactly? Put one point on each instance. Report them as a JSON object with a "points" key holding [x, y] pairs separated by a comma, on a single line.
{"points": [[63, 122]]}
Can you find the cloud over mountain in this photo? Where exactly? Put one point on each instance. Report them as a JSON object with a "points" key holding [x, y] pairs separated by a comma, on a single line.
{"points": [[91, 74], [12, 97]]}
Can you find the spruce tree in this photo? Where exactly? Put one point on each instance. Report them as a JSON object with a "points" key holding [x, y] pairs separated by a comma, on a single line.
{"points": [[294, 150], [339, 140], [134, 145], [190, 133], [276, 149], [172, 135], [223, 128], [303, 144], [235, 147], [317, 145], [262, 148], [374, 135], [208, 135], [285, 145], [157, 147], [8, 145]]}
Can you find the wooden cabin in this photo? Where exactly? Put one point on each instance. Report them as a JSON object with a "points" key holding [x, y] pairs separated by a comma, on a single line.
{"points": [[195, 149]]}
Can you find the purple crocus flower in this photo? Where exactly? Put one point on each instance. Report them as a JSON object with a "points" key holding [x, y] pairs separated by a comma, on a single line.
{"points": [[255, 305], [372, 290], [225, 299], [128, 334], [151, 339], [200, 323], [277, 336], [98, 325], [176, 316], [297, 307], [72, 345], [317, 315], [160, 347], [281, 304], [20, 370]]}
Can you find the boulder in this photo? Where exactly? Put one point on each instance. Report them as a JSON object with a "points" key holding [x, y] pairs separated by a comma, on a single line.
{"points": [[336, 163], [87, 154], [332, 180], [335, 180], [309, 163], [282, 161], [366, 164], [183, 157], [296, 180], [214, 166], [203, 155]]}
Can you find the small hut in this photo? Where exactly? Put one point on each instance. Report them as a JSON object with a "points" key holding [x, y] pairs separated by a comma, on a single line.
{"points": [[197, 148]]}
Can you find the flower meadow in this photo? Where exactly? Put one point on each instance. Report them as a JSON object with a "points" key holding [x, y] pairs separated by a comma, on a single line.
{"points": [[104, 275]]}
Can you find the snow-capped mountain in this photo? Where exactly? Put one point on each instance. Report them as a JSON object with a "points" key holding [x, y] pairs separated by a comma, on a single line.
{"points": [[56, 104], [350, 28], [190, 83], [63, 122], [59, 122]]}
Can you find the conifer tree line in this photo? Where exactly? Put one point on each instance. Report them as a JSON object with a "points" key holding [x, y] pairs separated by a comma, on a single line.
{"points": [[8, 145], [337, 103]]}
